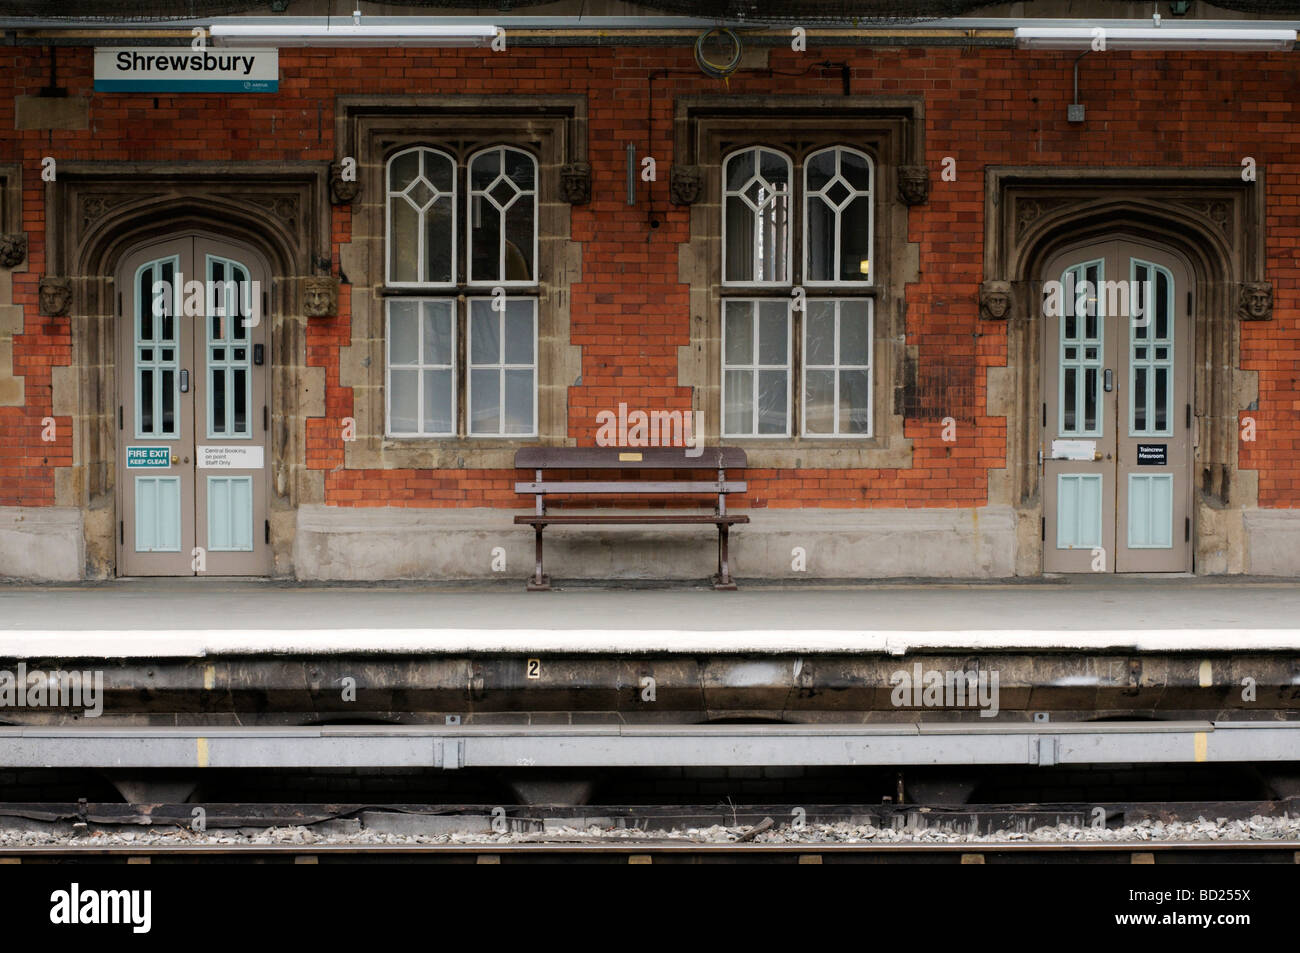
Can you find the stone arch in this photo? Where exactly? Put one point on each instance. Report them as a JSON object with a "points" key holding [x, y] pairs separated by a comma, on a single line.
{"points": [[97, 213], [1209, 217]]}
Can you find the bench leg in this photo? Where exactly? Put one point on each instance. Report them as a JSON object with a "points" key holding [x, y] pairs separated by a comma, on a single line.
{"points": [[723, 579], [539, 582]]}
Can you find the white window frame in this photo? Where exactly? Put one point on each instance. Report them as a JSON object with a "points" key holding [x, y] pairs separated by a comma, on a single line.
{"points": [[390, 241], [754, 367], [869, 367], [419, 367], [853, 194], [482, 194], [728, 193], [500, 366]]}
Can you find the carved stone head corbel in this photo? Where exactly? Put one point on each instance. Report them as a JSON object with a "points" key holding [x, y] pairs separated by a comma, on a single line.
{"points": [[343, 191], [996, 300], [1255, 301], [575, 182], [685, 184], [320, 296], [913, 183], [55, 296], [13, 249]]}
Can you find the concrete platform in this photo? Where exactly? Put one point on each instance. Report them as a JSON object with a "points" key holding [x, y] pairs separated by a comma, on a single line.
{"points": [[195, 618]]}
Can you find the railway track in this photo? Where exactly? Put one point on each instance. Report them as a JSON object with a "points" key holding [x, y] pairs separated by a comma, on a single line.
{"points": [[266, 833], [670, 852]]}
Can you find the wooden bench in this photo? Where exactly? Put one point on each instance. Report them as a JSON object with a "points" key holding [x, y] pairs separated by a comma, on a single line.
{"points": [[541, 459]]}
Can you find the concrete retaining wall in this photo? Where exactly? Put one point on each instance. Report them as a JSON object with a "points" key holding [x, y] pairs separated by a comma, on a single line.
{"points": [[393, 543], [42, 543]]}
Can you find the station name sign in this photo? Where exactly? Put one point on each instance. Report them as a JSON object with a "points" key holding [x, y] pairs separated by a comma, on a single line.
{"points": [[160, 69]]}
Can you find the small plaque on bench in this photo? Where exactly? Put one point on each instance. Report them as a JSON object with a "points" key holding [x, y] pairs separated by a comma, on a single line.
{"points": [[629, 458]]}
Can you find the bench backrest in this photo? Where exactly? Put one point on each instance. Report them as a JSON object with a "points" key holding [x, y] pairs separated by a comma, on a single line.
{"points": [[629, 458]]}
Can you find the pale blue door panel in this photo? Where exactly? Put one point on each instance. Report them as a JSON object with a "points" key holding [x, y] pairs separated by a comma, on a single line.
{"points": [[157, 514], [1078, 510], [1150, 511], [230, 514]]}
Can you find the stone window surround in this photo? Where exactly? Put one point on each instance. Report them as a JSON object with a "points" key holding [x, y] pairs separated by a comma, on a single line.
{"points": [[373, 128], [1217, 222], [890, 131]]}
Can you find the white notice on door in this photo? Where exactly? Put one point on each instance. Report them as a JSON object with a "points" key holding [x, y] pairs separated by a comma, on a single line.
{"points": [[229, 458], [1074, 449]]}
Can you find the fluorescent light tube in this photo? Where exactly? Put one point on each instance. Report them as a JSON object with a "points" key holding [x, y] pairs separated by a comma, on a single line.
{"points": [[1153, 38], [344, 33]]}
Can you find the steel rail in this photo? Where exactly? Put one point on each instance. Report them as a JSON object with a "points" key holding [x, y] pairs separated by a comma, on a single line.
{"points": [[657, 846]]}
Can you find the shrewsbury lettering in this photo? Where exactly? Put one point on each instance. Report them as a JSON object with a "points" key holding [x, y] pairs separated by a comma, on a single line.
{"points": [[183, 62]]}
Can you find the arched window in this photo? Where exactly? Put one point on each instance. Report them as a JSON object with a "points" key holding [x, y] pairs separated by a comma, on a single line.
{"points": [[421, 217], [837, 217], [502, 216], [756, 217]]}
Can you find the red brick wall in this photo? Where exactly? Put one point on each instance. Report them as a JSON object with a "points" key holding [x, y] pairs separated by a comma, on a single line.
{"points": [[630, 314]]}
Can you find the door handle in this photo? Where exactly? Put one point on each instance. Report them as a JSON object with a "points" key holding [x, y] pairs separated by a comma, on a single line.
{"points": [[185, 381], [1108, 381]]}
